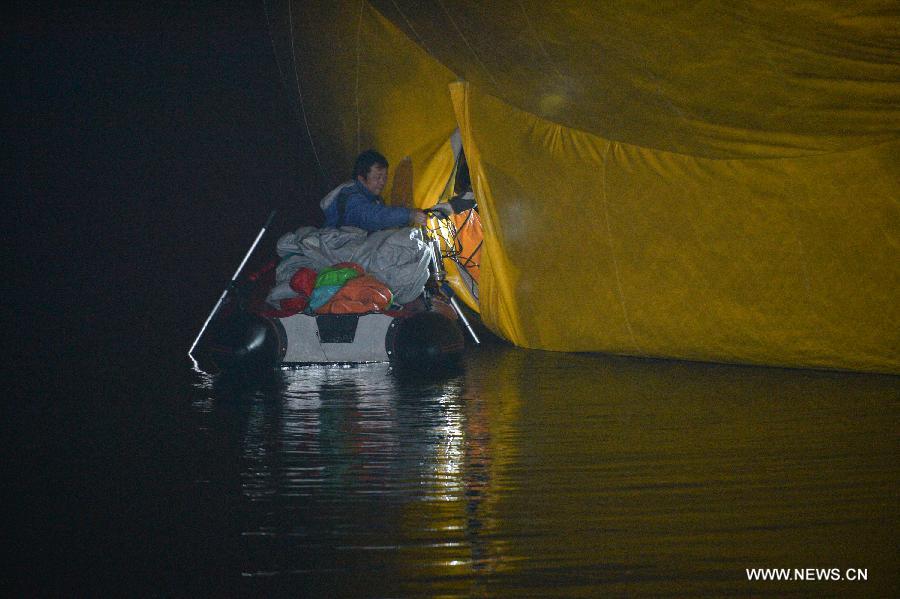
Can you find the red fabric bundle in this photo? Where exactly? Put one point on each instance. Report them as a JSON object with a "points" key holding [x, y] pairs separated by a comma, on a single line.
{"points": [[303, 281], [293, 305]]}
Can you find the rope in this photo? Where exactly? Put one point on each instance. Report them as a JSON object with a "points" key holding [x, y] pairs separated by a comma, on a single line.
{"points": [[272, 39], [362, 5], [413, 29], [533, 31], [281, 75], [300, 93], [474, 53]]}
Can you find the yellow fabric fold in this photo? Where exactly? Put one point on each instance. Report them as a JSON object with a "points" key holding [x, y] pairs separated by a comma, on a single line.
{"points": [[364, 84], [599, 246]]}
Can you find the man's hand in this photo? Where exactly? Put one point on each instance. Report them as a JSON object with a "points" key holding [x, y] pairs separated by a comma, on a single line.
{"points": [[444, 207], [416, 217]]}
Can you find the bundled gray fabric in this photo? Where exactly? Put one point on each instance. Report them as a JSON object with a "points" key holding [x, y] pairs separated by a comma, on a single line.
{"points": [[397, 257]]}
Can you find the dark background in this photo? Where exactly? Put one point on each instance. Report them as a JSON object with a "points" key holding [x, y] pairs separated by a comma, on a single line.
{"points": [[146, 145], [150, 142]]}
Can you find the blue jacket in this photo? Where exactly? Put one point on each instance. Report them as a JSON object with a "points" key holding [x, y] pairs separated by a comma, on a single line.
{"points": [[364, 210]]}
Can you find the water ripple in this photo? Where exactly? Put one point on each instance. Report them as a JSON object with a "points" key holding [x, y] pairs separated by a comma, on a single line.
{"points": [[558, 474]]}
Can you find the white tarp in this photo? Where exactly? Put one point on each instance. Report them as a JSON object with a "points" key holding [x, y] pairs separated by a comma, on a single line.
{"points": [[397, 257]]}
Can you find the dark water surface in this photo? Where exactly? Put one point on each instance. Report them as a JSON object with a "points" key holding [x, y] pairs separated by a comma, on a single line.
{"points": [[526, 474]]}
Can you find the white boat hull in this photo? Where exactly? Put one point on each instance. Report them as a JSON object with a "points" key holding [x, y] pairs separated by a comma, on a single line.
{"points": [[331, 339]]}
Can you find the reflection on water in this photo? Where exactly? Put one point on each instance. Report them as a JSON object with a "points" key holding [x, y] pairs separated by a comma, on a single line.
{"points": [[533, 473]]}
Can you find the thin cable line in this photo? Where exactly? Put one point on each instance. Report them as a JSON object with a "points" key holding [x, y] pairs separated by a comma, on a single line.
{"points": [[281, 78], [362, 5], [272, 39], [537, 39], [300, 93], [413, 29], [474, 53]]}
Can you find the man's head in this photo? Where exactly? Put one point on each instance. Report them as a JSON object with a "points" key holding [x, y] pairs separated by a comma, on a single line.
{"points": [[371, 170]]}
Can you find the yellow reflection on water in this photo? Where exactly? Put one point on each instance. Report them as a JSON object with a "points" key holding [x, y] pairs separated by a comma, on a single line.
{"points": [[537, 473]]}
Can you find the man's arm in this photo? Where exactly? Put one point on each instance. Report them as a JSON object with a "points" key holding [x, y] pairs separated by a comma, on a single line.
{"points": [[362, 213]]}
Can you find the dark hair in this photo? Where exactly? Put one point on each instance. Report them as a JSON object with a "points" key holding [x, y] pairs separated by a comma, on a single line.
{"points": [[365, 161]]}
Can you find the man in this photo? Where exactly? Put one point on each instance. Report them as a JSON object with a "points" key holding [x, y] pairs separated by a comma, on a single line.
{"points": [[359, 203]]}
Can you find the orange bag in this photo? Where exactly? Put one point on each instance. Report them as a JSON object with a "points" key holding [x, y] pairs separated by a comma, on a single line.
{"points": [[358, 296], [470, 236]]}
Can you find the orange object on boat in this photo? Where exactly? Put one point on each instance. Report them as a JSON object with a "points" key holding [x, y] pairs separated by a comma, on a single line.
{"points": [[359, 296]]}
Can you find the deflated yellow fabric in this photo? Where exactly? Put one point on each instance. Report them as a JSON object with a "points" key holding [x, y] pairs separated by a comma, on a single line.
{"points": [[364, 84], [595, 245], [709, 180], [718, 78]]}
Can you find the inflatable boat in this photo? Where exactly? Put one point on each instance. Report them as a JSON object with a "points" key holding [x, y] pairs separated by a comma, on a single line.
{"points": [[424, 339], [248, 332]]}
